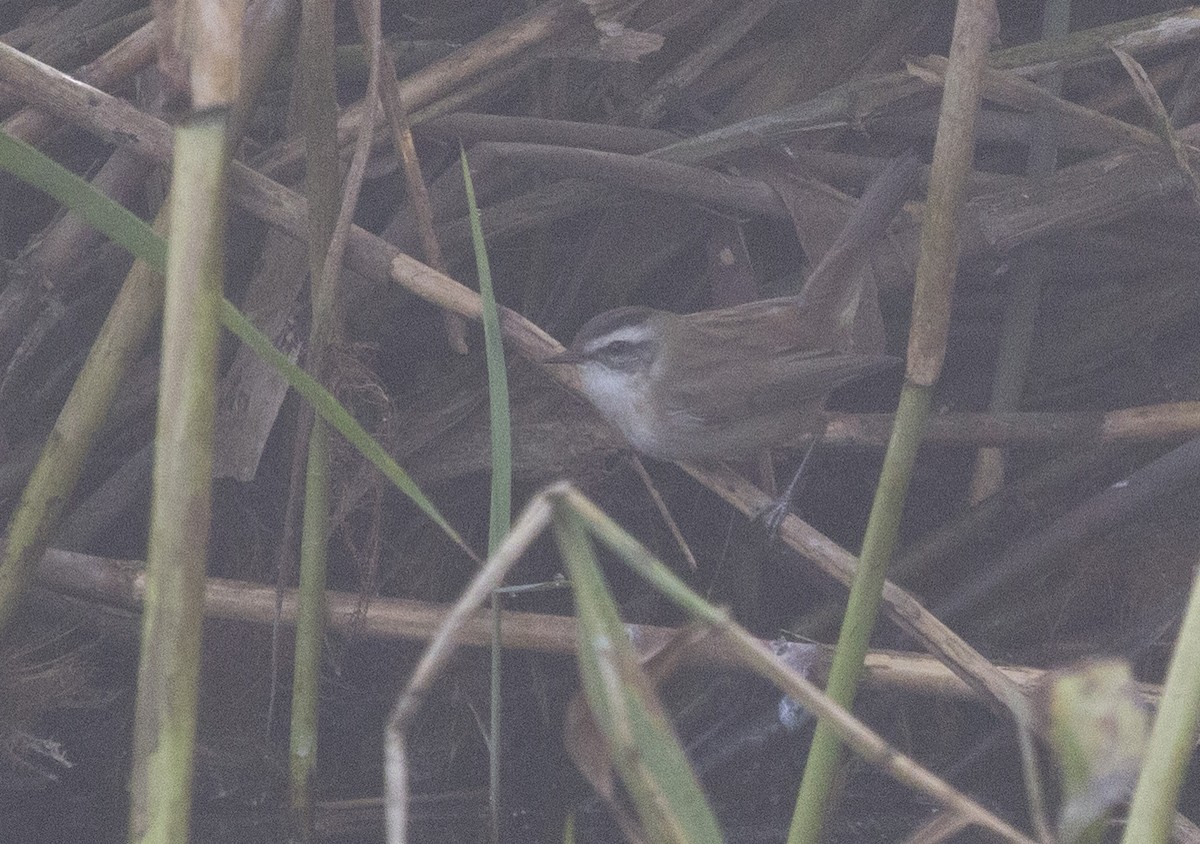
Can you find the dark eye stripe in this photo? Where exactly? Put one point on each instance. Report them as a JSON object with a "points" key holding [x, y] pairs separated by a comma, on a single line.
{"points": [[624, 355]]}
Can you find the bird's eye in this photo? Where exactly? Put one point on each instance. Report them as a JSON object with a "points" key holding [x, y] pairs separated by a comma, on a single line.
{"points": [[618, 347]]}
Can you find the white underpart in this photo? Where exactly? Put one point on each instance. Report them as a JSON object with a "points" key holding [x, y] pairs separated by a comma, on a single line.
{"points": [[622, 397], [615, 395]]}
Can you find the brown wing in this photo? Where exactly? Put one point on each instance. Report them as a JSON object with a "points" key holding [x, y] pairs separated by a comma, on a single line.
{"points": [[770, 327], [758, 358]]}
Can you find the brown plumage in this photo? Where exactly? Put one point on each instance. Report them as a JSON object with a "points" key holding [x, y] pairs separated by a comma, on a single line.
{"points": [[716, 384]]}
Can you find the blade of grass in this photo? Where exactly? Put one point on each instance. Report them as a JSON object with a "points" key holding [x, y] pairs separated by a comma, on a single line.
{"points": [[759, 659], [643, 746], [122, 227], [500, 510], [493, 339], [126, 229]]}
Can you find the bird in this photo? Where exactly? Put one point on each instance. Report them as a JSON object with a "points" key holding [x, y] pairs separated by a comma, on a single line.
{"points": [[720, 384]]}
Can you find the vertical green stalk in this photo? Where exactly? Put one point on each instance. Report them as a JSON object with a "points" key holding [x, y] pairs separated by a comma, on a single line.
{"points": [[53, 480], [322, 183], [310, 627], [1172, 739], [164, 731], [975, 26], [879, 541]]}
